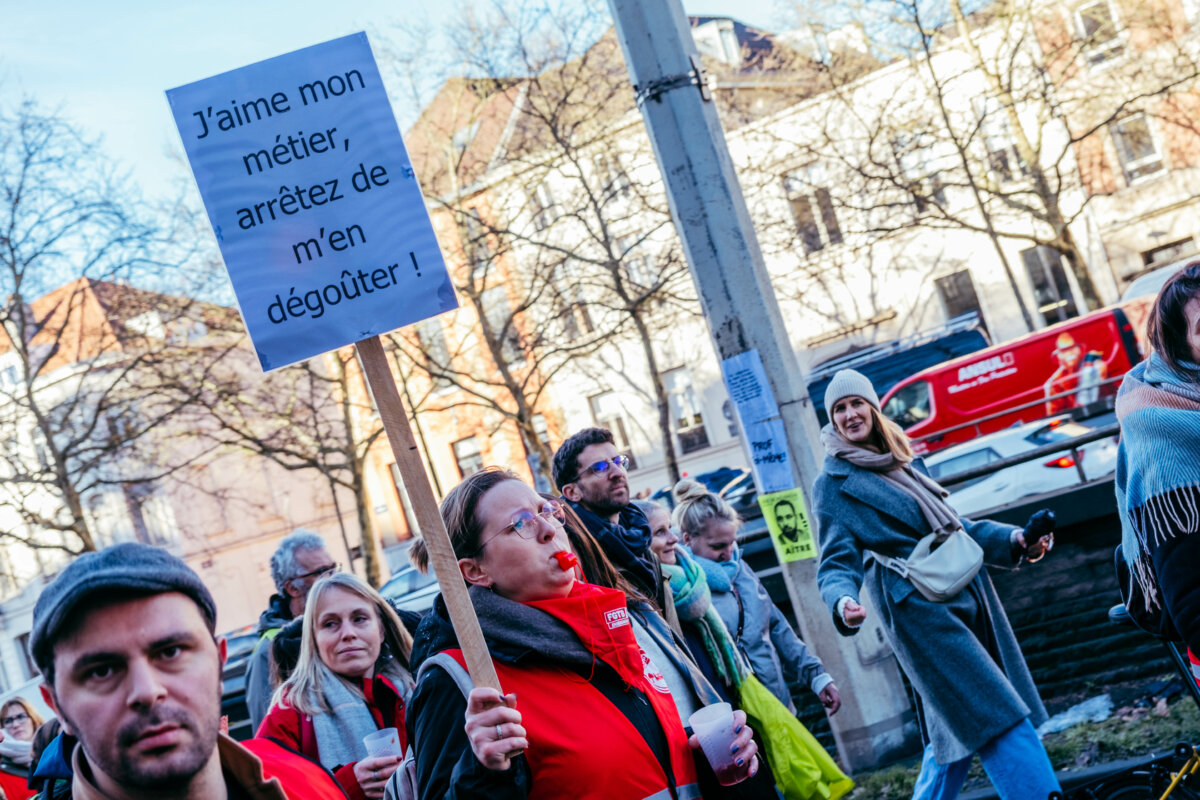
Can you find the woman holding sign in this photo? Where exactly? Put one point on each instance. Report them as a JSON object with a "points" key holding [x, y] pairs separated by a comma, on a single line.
{"points": [[584, 716], [880, 518], [760, 631], [350, 685]]}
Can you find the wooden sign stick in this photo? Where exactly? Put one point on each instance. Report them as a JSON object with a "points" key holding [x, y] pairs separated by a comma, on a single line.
{"points": [[437, 540]]}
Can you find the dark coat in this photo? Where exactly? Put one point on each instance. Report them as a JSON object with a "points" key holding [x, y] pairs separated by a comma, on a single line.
{"points": [[961, 655]]}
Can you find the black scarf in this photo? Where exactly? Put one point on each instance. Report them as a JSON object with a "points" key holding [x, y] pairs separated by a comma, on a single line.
{"points": [[627, 543]]}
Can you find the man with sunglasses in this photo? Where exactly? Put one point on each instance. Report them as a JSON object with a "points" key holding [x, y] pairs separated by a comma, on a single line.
{"points": [[297, 563], [591, 474]]}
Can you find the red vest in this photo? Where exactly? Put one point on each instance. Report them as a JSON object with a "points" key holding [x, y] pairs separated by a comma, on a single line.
{"points": [[14, 787], [580, 744], [301, 779]]}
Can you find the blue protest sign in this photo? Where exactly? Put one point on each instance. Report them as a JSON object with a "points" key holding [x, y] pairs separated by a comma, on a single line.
{"points": [[313, 198]]}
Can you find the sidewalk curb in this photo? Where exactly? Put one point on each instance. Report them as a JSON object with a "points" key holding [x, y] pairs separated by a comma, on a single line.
{"points": [[1069, 779]]}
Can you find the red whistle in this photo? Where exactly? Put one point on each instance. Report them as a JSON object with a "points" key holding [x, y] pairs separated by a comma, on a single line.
{"points": [[566, 560]]}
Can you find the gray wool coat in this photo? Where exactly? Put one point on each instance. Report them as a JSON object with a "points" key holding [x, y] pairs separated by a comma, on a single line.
{"points": [[961, 655]]}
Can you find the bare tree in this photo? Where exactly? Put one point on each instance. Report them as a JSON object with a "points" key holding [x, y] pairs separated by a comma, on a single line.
{"points": [[91, 405], [1001, 106], [542, 165]]}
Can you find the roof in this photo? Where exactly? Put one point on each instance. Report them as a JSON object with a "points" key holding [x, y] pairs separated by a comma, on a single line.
{"points": [[87, 318]]}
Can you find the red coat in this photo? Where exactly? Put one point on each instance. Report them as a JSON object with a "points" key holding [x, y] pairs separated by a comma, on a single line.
{"points": [[295, 730]]}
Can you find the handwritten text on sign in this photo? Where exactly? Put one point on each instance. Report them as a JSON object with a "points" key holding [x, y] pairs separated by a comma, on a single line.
{"points": [[313, 199]]}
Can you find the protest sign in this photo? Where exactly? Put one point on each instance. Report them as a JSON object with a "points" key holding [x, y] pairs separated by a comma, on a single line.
{"points": [[787, 520], [314, 202], [342, 251]]}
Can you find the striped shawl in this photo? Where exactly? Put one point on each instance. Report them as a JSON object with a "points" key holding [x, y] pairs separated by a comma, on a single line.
{"points": [[1158, 466]]}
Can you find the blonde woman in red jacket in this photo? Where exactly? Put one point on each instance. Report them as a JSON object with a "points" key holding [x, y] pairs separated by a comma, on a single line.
{"points": [[351, 680]]}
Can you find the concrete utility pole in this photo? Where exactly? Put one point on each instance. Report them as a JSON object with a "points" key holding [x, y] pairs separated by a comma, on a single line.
{"points": [[875, 723]]}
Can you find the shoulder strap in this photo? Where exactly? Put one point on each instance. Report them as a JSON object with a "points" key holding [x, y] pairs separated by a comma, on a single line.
{"points": [[444, 660]]}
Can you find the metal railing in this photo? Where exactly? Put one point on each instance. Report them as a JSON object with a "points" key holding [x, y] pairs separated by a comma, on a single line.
{"points": [[1041, 401], [1072, 445]]}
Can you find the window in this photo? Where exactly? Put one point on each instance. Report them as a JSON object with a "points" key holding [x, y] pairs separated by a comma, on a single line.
{"points": [[960, 464], [1165, 254], [577, 319], [9, 376], [1004, 161], [468, 456], [476, 244], [137, 497], [608, 413], [436, 352], [613, 180], [542, 430], [909, 405], [502, 323], [686, 417], [1050, 287], [463, 137], [1136, 148], [545, 211], [148, 324], [958, 293], [812, 209], [42, 453], [918, 164], [1097, 27], [27, 662], [637, 263]]}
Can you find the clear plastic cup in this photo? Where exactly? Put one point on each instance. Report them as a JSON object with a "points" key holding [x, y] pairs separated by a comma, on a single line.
{"points": [[713, 726], [384, 742]]}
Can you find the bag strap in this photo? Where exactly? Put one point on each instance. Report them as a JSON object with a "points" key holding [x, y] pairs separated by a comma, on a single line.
{"points": [[444, 660], [897, 565]]}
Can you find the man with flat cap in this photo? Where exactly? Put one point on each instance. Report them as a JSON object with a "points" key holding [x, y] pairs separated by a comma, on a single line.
{"points": [[124, 640]]}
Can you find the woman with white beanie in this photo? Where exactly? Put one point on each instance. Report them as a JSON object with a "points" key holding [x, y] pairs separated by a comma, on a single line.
{"points": [[883, 521]]}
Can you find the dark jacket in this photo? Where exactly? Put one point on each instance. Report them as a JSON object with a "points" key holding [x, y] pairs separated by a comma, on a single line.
{"points": [[515, 634], [259, 687], [259, 769], [626, 542], [961, 655]]}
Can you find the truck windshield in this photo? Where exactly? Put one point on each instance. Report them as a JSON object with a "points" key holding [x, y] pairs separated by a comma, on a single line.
{"points": [[909, 405]]}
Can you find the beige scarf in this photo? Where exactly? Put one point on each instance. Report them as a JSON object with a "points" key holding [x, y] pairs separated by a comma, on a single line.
{"points": [[929, 496]]}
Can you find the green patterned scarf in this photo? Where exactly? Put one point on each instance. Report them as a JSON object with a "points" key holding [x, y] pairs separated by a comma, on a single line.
{"points": [[693, 603]]}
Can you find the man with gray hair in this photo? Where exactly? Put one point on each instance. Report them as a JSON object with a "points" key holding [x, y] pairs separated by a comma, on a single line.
{"points": [[299, 561]]}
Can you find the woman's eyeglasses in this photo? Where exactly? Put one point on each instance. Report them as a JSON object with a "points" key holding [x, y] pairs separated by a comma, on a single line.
{"points": [[525, 523], [14, 719]]}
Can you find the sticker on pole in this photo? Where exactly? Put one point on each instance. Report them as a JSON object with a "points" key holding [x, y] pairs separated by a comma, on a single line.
{"points": [[787, 520], [313, 199]]}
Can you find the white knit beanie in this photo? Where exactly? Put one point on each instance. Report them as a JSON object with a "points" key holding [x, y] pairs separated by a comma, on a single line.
{"points": [[848, 383]]}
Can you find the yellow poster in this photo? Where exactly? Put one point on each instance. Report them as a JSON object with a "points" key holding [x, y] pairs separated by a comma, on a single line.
{"points": [[787, 520]]}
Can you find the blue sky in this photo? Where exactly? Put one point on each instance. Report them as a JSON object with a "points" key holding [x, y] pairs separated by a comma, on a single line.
{"points": [[106, 65]]}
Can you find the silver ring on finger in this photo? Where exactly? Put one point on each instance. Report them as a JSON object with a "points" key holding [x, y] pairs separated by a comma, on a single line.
{"points": [[374, 774], [499, 735]]}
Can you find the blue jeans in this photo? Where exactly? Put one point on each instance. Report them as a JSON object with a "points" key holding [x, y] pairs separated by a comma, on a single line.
{"points": [[1015, 762]]}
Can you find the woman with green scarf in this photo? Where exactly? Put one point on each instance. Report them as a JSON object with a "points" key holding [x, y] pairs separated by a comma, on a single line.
{"points": [[706, 636], [796, 766]]}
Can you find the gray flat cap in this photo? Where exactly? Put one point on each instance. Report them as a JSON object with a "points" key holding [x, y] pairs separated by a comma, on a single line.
{"points": [[130, 566]]}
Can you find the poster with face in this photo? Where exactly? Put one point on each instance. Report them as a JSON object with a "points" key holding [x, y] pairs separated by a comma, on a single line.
{"points": [[787, 521]]}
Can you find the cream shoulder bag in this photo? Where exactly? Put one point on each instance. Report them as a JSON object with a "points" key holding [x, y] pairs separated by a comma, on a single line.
{"points": [[939, 570]]}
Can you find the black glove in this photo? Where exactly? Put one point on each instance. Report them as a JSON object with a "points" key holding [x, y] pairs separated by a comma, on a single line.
{"points": [[1041, 523]]}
